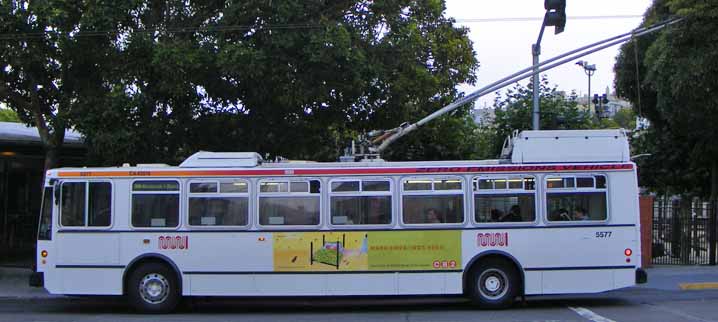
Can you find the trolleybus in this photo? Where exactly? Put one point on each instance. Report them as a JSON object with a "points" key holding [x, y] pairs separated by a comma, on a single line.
{"points": [[558, 215]]}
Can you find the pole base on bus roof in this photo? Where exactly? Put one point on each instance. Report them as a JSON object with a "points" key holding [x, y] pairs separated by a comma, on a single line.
{"points": [[641, 276]]}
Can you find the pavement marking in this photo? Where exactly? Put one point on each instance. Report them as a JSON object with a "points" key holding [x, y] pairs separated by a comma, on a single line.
{"points": [[590, 315], [698, 286], [677, 312]]}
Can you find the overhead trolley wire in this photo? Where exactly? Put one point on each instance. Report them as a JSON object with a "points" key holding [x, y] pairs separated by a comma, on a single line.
{"points": [[236, 28]]}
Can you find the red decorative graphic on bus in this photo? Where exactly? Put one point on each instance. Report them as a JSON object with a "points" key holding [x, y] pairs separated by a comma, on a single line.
{"points": [[492, 239], [173, 242]]}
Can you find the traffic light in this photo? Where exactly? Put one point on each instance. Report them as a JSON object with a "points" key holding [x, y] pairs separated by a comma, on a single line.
{"points": [[555, 14]]}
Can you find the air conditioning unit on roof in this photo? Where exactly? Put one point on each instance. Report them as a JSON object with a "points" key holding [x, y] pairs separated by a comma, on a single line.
{"points": [[571, 146], [204, 159]]}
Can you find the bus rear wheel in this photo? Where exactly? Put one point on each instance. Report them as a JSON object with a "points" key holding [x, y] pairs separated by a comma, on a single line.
{"points": [[153, 288], [493, 284]]}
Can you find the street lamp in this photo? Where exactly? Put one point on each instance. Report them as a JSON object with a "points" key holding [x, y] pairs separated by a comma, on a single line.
{"points": [[555, 16], [589, 70]]}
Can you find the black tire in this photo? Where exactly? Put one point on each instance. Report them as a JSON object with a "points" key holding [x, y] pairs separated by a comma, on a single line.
{"points": [[161, 290], [493, 284]]}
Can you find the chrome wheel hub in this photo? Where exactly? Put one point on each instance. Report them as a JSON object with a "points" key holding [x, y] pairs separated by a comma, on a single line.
{"points": [[154, 288], [493, 284]]}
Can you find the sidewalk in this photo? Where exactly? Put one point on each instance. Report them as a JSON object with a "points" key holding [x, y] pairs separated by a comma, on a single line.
{"points": [[671, 278], [14, 284], [14, 281]]}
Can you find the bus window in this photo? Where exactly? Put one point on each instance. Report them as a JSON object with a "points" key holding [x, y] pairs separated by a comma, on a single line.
{"points": [[99, 204], [73, 204], [507, 199], [289, 203], [584, 201], [45, 226], [97, 196], [155, 204], [360, 202], [227, 207], [433, 201]]}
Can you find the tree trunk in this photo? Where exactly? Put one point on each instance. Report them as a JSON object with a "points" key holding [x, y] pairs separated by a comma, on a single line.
{"points": [[51, 158]]}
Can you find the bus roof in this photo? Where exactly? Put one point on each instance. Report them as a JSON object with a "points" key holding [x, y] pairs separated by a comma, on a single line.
{"points": [[531, 151]]}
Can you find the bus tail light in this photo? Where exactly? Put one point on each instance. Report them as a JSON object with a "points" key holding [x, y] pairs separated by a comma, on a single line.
{"points": [[43, 253], [628, 252]]}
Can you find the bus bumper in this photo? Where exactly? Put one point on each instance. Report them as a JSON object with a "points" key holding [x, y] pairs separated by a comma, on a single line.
{"points": [[641, 276], [37, 279]]}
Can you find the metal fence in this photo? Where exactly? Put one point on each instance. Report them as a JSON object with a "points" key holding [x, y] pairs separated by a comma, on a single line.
{"points": [[684, 232]]}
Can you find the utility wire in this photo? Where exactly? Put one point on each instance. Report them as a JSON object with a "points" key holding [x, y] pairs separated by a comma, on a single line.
{"points": [[518, 19], [248, 28]]}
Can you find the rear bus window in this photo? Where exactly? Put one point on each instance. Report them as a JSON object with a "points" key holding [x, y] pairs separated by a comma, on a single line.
{"points": [[219, 203], [432, 201], [155, 204], [360, 202], [289, 203], [576, 198], [86, 204], [505, 199]]}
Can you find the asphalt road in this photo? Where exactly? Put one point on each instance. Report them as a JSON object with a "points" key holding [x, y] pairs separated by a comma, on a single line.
{"points": [[634, 304]]}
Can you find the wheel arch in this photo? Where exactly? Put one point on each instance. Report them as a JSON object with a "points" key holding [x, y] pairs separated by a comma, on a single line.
{"points": [[147, 258], [493, 254]]}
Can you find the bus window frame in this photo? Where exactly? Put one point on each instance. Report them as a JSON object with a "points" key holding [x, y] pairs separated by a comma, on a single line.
{"points": [[87, 182], [575, 189], [537, 202], [218, 194], [289, 193], [433, 178], [180, 209], [361, 193]]}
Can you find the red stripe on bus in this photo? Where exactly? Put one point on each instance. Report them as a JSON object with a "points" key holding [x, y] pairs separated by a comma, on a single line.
{"points": [[343, 171]]}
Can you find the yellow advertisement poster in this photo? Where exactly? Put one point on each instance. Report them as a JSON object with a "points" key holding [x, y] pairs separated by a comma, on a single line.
{"points": [[367, 251]]}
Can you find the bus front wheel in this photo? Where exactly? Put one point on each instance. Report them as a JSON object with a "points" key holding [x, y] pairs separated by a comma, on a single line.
{"points": [[493, 284], [153, 288]]}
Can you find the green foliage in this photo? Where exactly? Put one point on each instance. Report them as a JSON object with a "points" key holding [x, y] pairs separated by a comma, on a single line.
{"points": [[514, 108], [299, 79], [679, 79], [8, 115], [625, 119]]}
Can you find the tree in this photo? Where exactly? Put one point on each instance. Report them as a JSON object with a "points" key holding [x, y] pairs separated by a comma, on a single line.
{"points": [[292, 78], [514, 109], [48, 64], [678, 79]]}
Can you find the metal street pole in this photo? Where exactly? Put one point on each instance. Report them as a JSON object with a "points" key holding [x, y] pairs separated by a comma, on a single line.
{"points": [[555, 16], [589, 90], [536, 51], [589, 70]]}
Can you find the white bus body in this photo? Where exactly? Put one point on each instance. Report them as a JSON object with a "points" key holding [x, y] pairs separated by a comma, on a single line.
{"points": [[309, 229]]}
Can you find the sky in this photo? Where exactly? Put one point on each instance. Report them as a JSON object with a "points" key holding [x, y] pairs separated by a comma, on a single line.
{"points": [[504, 47]]}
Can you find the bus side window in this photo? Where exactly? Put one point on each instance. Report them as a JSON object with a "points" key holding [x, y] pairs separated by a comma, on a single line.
{"points": [[433, 201], [155, 204], [360, 202], [223, 203], [289, 203], [98, 198], [506, 199], [579, 198]]}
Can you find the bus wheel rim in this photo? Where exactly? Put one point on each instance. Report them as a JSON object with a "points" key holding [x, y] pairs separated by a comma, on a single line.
{"points": [[493, 284], [154, 288]]}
